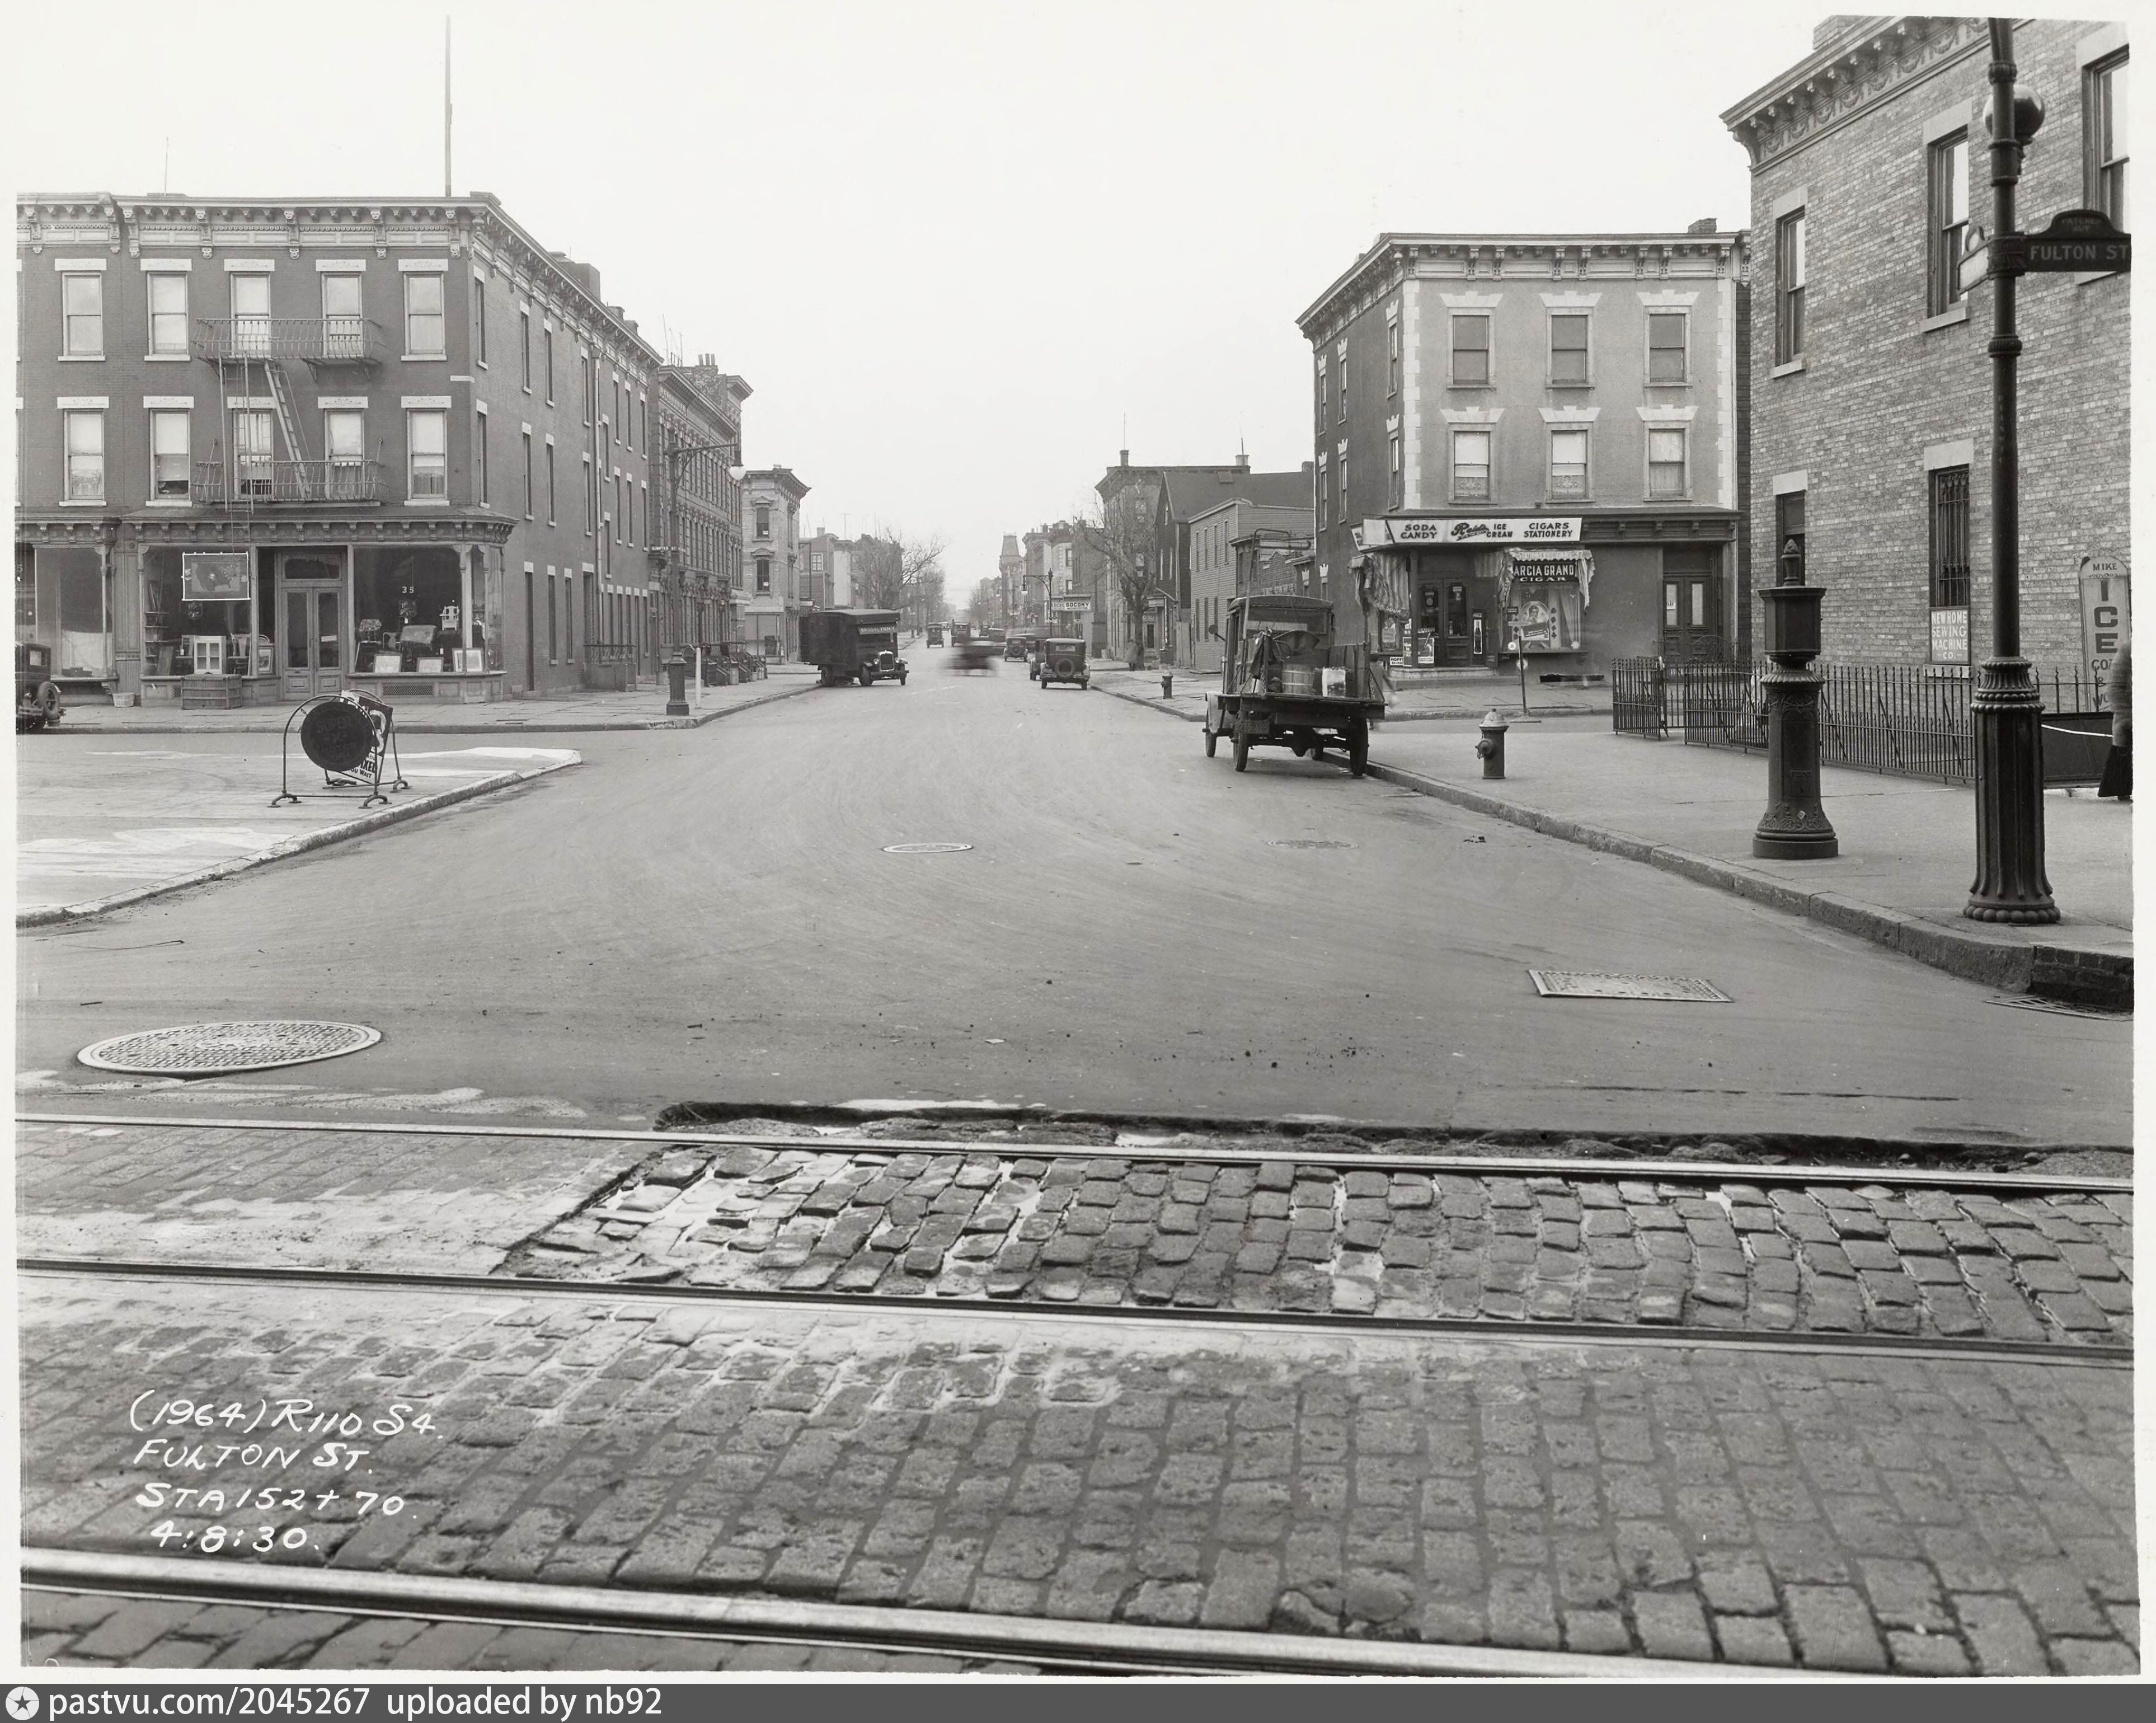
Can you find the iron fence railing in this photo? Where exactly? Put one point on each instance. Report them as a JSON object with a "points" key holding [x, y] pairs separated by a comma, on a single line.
{"points": [[316, 340], [248, 480], [1908, 720]]}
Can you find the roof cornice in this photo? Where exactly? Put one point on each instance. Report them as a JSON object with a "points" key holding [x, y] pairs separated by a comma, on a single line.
{"points": [[1860, 68]]}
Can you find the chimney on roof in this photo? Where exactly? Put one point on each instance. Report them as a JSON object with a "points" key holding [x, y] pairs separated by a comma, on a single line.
{"points": [[1122, 457], [1242, 460], [1309, 467], [1705, 224]]}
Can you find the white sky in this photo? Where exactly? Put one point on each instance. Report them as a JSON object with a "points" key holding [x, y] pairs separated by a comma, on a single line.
{"points": [[951, 246]]}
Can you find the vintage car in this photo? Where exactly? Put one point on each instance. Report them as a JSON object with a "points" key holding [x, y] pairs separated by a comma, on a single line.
{"points": [[936, 634], [37, 695], [1063, 661], [1015, 648]]}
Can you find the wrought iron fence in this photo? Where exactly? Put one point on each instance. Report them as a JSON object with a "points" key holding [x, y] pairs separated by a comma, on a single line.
{"points": [[1909, 720]]}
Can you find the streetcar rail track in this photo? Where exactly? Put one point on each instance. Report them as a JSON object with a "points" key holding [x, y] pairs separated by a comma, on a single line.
{"points": [[1518, 1332], [1326, 1154], [1059, 1646]]}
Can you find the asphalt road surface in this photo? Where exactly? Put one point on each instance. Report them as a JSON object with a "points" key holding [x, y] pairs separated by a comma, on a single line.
{"points": [[713, 916]]}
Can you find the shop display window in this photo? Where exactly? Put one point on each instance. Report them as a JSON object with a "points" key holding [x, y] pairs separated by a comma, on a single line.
{"points": [[176, 628], [409, 614]]}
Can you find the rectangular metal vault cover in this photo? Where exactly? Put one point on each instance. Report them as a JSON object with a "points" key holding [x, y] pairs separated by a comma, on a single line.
{"points": [[1587, 984]]}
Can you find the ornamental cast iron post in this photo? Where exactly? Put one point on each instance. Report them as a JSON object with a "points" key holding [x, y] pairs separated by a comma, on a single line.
{"points": [[2006, 709], [1795, 828]]}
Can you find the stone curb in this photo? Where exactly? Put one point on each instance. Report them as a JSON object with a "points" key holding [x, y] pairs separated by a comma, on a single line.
{"points": [[56, 914], [1412, 716], [2099, 979], [423, 727]]}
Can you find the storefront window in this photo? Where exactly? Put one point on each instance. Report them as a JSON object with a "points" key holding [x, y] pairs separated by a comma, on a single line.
{"points": [[408, 609], [178, 631]]}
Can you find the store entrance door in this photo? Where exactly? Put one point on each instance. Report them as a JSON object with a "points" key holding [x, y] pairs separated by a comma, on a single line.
{"points": [[1691, 618], [312, 637]]}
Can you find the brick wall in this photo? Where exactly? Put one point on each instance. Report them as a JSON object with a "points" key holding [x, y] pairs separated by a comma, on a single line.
{"points": [[1878, 387]]}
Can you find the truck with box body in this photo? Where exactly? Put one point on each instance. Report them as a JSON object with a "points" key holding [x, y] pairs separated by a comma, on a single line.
{"points": [[853, 646]]}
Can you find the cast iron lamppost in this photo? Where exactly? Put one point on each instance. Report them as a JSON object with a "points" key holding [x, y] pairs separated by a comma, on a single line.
{"points": [[1795, 828], [677, 699], [2006, 709]]}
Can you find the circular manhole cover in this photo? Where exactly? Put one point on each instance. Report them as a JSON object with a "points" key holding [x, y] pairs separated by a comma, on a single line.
{"points": [[1310, 843], [212, 1049], [924, 848]]}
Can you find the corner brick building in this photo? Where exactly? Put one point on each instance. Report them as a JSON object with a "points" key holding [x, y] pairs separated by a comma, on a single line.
{"points": [[1870, 381]]}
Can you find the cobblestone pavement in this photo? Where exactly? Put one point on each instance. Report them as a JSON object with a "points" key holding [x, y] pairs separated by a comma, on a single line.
{"points": [[1846, 1512], [320, 1198], [1747, 1255], [89, 1630]]}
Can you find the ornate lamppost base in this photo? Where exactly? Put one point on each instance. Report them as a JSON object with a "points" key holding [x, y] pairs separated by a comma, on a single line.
{"points": [[2005, 721], [1782, 845]]}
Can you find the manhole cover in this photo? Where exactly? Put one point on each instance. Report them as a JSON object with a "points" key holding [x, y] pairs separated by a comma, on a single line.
{"points": [[1584, 984], [1310, 843], [924, 848], [212, 1049]]}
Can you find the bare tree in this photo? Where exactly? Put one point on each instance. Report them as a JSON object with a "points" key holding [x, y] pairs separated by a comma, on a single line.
{"points": [[988, 603], [1121, 534], [895, 571]]}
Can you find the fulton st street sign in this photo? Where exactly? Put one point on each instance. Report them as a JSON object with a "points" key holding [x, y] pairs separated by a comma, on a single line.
{"points": [[2078, 241]]}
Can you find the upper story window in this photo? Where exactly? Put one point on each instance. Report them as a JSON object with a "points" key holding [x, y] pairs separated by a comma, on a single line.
{"points": [[548, 342], [344, 333], [550, 484], [82, 317], [1324, 392], [1667, 337], [1324, 497], [524, 345], [250, 314], [1568, 356], [480, 452], [763, 574], [169, 473], [1789, 288], [591, 387], [479, 319], [1392, 356], [426, 437], [85, 456], [168, 312], [1396, 480], [1471, 350], [1568, 468], [344, 441], [2104, 121], [763, 520], [1471, 466], [1947, 200], [1665, 461], [425, 325]]}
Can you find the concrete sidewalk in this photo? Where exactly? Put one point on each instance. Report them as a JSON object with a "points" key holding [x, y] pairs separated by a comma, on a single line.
{"points": [[1908, 846], [111, 827], [1423, 694], [634, 708]]}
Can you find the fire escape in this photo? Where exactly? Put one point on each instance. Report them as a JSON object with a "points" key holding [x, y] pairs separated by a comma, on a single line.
{"points": [[253, 354]]}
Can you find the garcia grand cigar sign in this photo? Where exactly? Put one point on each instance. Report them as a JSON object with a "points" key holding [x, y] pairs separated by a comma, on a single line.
{"points": [[1527, 529]]}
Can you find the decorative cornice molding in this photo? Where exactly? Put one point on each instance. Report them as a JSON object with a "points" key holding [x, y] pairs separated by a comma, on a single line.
{"points": [[1851, 75]]}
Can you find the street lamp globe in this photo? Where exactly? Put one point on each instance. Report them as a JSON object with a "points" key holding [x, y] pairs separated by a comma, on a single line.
{"points": [[2027, 114]]}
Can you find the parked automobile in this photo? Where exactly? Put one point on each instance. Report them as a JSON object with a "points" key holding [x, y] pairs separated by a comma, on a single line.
{"points": [[37, 695], [936, 634], [1063, 661], [1014, 648]]}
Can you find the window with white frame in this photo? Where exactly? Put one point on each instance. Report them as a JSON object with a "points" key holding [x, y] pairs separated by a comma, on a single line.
{"points": [[1568, 349], [344, 331], [1393, 355], [168, 312], [1789, 288], [1568, 462], [527, 476], [1471, 466], [524, 346], [250, 314], [85, 456], [480, 441], [1668, 338], [1471, 350], [546, 344], [170, 475], [2103, 122], [82, 316], [550, 484], [1324, 494], [425, 324], [1324, 392], [1396, 480], [479, 320], [427, 442], [344, 441], [1665, 461], [254, 451], [1946, 193], [763, 574]]}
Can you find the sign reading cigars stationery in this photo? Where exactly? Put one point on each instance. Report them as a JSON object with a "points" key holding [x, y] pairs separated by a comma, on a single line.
{"points": [[1525, 529]]}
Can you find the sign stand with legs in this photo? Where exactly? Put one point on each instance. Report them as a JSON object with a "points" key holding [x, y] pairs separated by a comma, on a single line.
{"points": [[353, 739]]}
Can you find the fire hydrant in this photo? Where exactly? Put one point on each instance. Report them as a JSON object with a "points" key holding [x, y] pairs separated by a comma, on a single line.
{"points": [[1491, 747], [1168, 686], [677, 689]]}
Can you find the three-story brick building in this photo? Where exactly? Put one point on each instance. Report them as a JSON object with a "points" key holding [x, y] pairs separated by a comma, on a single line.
{"points": [[1533, 441], [294, 446]]}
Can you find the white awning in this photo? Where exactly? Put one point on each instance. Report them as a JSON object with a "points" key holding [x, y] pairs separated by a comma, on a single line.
{"points": [[1546, 568]]}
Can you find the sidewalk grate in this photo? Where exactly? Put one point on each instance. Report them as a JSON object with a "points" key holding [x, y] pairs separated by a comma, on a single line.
{"points": [[215, 1049], [1587, 984]]}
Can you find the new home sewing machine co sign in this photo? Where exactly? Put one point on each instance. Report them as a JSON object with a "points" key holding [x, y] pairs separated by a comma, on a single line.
{"points": [[1527, 529]]}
